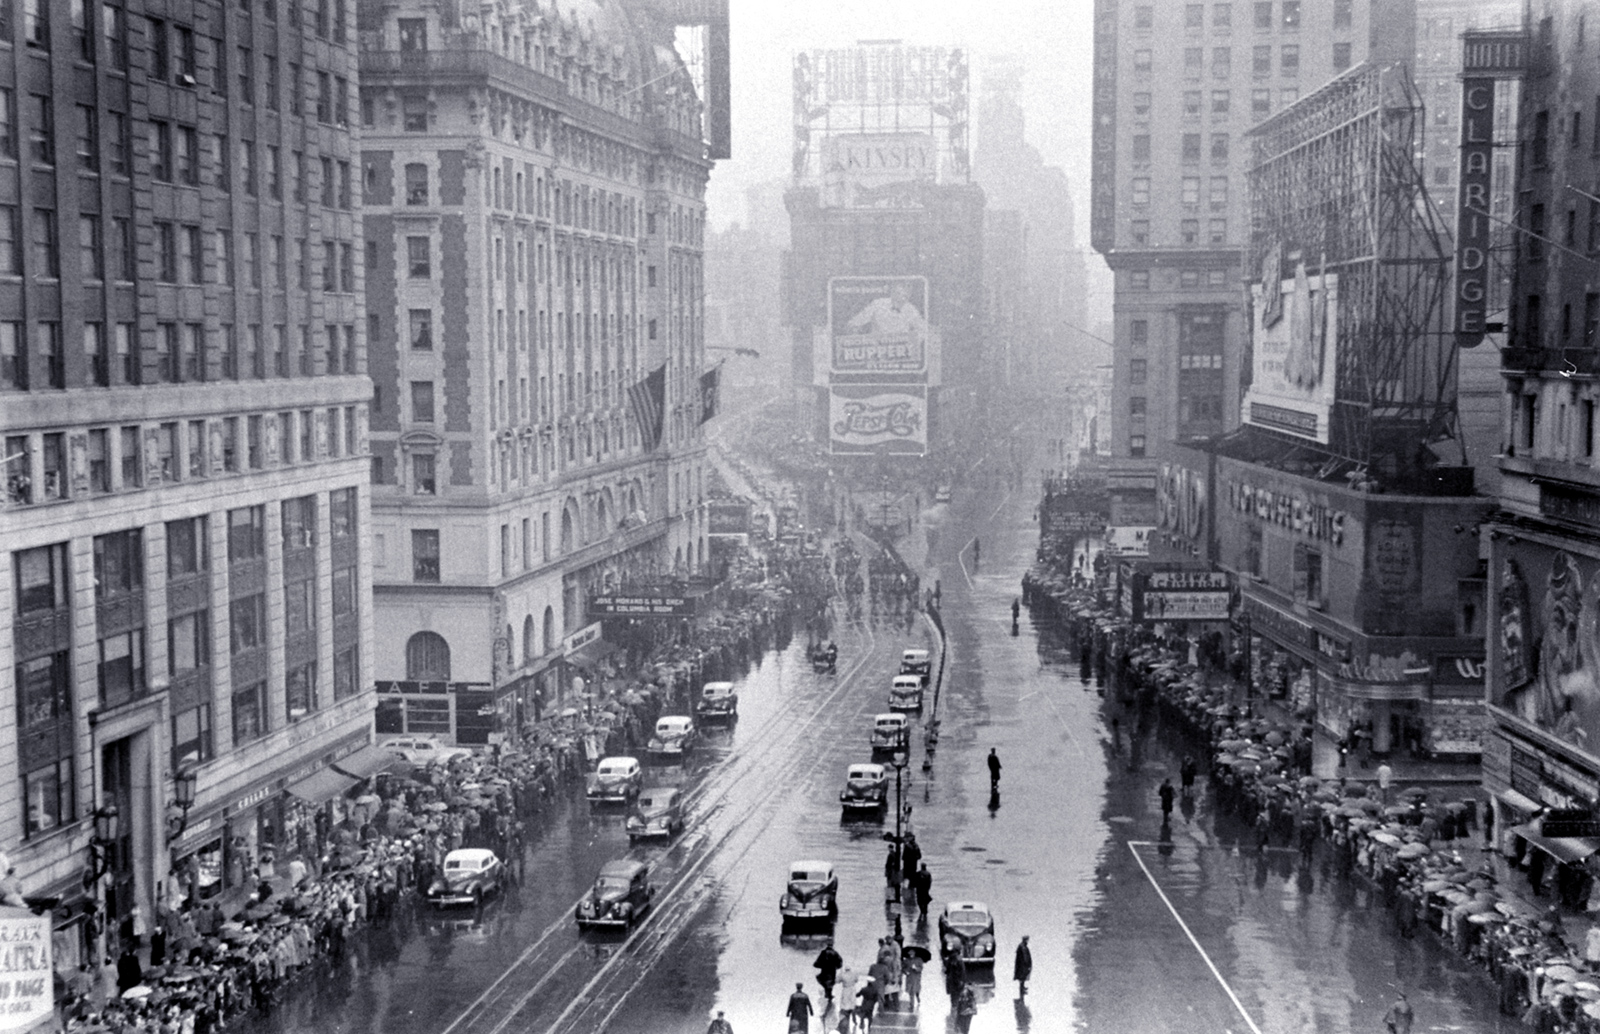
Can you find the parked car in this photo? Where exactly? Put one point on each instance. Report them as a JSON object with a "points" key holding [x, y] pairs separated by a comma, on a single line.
{"points": [[469, 875], [866, 788], [916, 662], [812, 893], [421, 751], [620, 896], [905, 693], [615, 780], [966, 929], [675, 734], [658, 812], [717, 700], [891, 731]]}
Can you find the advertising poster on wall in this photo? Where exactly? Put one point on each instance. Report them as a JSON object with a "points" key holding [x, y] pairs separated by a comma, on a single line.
{"points": [[878, 419], [1292, 375], [878, 324], [878, 170], [1547, 642], [27, 980]]}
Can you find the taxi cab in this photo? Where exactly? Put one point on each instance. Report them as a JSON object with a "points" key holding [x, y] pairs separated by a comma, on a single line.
{"points": [[916, 662], [717, 701], [905, 693], [891, 731], [674, 735], [866, 788], [615, 780]]}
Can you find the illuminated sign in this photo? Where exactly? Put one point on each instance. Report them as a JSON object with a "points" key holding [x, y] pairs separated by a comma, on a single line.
{"points": [[1312, 518], [1472, 210], [869, 418]]}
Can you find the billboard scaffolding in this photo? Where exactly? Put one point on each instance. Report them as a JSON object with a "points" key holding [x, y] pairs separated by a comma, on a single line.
{"points": [[1350, 275]]}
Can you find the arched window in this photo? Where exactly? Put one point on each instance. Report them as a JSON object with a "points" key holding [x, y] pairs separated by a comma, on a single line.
{"points": [[549, 629], [566, 531], [427, 658], [530, 648]]}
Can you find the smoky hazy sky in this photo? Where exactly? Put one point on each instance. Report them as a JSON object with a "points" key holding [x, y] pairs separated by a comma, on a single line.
{"points": [[1052, 38]]}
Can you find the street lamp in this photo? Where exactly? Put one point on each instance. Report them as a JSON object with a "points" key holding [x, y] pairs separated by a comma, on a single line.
{"points": [[899, 761], [183, 789], [106, 827]]}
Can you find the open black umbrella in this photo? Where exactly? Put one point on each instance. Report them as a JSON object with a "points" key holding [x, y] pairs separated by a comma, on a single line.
{"points": [[916, 951]]}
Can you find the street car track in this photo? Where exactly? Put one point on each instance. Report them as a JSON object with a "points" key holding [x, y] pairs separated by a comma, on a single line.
{"points": [[499, 1004]]}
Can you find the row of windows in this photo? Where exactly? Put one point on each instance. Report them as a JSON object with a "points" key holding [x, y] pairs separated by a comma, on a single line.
{"points": [[1189, 192], [1263, 16], [1188, 279], [132, 457], [1221, 102], [1189, 232], [1190, 150], [1194, 60], [183, 353]]}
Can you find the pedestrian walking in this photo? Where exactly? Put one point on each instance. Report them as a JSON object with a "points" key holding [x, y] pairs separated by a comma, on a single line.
{"points": [[1399, 1018], [911, 970], [910, 855], [891, 866], [867, 1003], [966, 1008], [845, 994], [828, 965], [922, 886], [1167, 793], [994, 770], [1186, 773], [1385, 777], [720, 1025], [799, 1010], [1022, 967]]}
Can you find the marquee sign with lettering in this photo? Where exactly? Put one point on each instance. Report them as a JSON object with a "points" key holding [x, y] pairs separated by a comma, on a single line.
{"points": [[1485, 58], [642, 606], [27, 972], [1306, 516]]}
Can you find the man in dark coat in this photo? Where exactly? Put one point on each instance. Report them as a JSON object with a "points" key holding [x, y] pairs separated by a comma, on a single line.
{"points": [[1022, 968], [1167, 794], [994, 770], [828, 965], [922, 886], [910, 855], [799, 1010]]}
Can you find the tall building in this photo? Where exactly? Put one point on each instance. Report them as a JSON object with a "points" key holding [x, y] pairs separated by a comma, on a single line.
{"points": [[1541, 754], [187, 608], [534, 185]]}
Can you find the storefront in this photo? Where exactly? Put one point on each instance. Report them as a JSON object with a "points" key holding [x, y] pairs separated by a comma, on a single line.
{"points": [[461, 713]]}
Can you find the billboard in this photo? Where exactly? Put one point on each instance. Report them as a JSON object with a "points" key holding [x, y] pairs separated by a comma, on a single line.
{"points": [[27, 980], [1185, 606], [1292, 374], [642, 605], [878, 324], [728, 517], [878, 170], [888, 419], [1546, 644]]}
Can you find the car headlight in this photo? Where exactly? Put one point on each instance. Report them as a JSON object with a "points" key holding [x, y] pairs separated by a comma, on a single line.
{"points": [[986, 942], [952, 942]]}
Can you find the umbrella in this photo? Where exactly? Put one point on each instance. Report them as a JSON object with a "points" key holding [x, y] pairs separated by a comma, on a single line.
{"points": [[436, 806], [367, 799], [1593, 1009], [1387, 839], [916, 951], [1485, 918], [1561, 973], [136, 992], [571, 712], [1414, 849]]}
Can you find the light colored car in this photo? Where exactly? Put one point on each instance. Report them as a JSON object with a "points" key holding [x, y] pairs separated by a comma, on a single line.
{"points": [[421, 751], [621, 894], [866, 788], [657, 813], [469, 875], [966, 928], [812, 893], [891, 731], [916, 662], [905, 693], [615, 780], [675, 734], [717, 700]]}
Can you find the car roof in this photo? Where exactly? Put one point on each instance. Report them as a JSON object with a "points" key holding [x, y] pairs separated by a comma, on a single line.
{"points": [[624, 762], [890, 718], [718, 686], [659, 793], [624, 867], [967, 906], [469, 854], [811, 866], [866, 769], [908, 680], [913, 653], [673, 719]]}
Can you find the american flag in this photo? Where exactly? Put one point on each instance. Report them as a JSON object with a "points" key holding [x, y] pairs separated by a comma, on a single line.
{"points": [[649, 401]]}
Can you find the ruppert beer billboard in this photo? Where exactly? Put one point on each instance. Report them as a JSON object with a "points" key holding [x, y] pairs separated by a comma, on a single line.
{"points": [[878, 324]]}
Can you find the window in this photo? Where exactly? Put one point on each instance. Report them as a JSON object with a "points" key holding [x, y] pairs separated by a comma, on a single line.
{"points": [[88, 139], [1221, 16], [1221, 62], [421, 265], [1261, 60], [132, 458], [47, 793], [1139, 333], [1341, 56], [1191, 187], [160, 55], [1139, 230], [247, 166], [1138, 279], [222, 162], [423, 477], [1260, 103], [1263, 14], [54, 456], [1219, 193], [1307, 575], [1138, 371], [247, 534], [191, 254], [1191, 148], [342, 513], [1193, 60], [1189, 231], [1217, 231], [1140, 190], [1288, 95], [1220, 100], [422, 329], [1137, 405], [1342, 13], [44, 690], [427, 657], [347, 268], [99, 460], [270, 86], [246, 70], [425, 555], [10, 241], [191, 736], [1136, 445], [183, 55], [299, 517], [1188, 278], [41, 577], [1141, 153], [1194, 16], [274, 173], [230, 443], [300, 691], [1291, 14], [1141, 61], [166, 252], [1191, 103], [414, 113], [413, 34], [1141, 109], [1219, 147], [114, 26], [1143, 16], [1289, 59], [344, 592], [300, 606], [13, 357], [188, 642], [247, 622], [93, 264], [99, 356], [121, 668], [46, 260], [49, 348], [8, 124]]}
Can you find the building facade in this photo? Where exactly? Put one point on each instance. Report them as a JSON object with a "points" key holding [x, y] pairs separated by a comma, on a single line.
{"points": [[183, 407], [534, 188]]}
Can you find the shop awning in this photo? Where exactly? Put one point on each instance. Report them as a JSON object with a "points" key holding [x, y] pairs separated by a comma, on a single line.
{"points": [[323, 785], [1520, 801], [368, 761], [1562, 849]]}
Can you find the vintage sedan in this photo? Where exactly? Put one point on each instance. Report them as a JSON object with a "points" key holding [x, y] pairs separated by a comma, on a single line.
{"points": [[811, 895], [717, 701], [866, 788], [891, 731], [657, 813], [615, 781], [916, 662], [470, 874], [620, 896], [905, 693], [675, 735], [966, 931]]}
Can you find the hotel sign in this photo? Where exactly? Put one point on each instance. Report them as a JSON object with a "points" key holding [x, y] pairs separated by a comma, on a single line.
{"points": [[1485, 58]]}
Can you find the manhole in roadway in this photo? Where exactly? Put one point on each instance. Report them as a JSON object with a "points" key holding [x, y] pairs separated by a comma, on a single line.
{"points": [[994, 861], [985, 848]]}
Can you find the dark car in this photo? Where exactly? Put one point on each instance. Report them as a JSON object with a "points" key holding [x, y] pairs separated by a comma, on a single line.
{"points": [[811, 894], [865, 788], [658, 812], [966, 929], [717, 701], [470, 874], [620, 896]]}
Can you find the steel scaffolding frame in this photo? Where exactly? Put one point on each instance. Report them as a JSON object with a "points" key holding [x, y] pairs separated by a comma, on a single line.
{"points": [[1335, 178]]}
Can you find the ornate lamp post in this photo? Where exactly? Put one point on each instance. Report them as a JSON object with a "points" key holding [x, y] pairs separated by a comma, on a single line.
{"points": [[899, 761], [107, 826], [183, 790]]}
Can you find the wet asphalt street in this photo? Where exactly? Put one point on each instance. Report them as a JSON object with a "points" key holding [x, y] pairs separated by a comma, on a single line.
{"points": [[1129, 934]]}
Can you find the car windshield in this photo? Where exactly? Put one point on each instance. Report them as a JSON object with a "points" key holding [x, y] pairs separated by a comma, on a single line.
{"points": [[612, 770], [967, 917], [611, 884], [650, 805]]}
